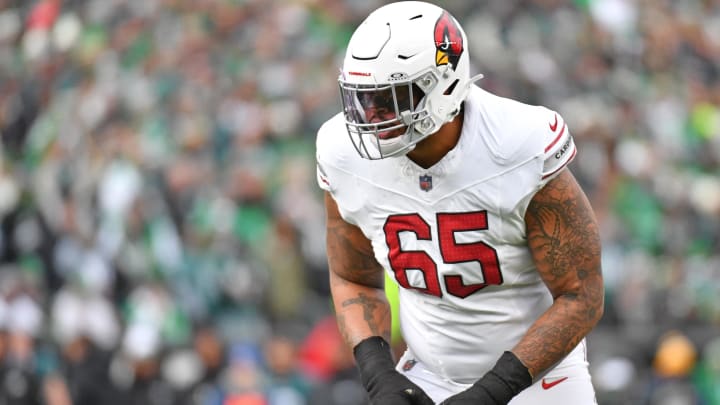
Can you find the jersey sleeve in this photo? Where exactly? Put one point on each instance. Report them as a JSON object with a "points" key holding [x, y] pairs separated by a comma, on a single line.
{"points": [[325, 150], [334, 169], [322, 178], [559, 147]]}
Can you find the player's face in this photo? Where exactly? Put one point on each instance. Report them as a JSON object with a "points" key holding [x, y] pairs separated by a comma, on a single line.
{"points": [[381, 107]]}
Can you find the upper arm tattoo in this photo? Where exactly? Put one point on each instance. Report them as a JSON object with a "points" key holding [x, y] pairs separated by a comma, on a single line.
{"points": [[350, 254], [563, 236]]}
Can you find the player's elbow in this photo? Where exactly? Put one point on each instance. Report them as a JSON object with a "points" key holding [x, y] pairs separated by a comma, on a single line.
{"points": [[587, 297], [595, 302], [598, 312], [591, 290]]}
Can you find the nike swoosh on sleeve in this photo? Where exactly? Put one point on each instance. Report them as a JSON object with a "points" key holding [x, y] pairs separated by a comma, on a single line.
{"points": [[554, 125]]}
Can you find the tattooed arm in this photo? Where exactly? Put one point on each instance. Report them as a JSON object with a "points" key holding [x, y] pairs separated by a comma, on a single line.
{"points": [[563, 236], [356, 280], [363, 313]]}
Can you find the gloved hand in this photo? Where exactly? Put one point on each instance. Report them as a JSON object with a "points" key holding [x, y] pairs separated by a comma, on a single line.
{"points": [[506, 379], [384, 384]]}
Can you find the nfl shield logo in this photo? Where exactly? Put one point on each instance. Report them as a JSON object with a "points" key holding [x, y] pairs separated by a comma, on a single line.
{"points": [[425, 182]]}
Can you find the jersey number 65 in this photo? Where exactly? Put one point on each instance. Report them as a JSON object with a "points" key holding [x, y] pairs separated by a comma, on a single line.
{"points": [[452, 252]]}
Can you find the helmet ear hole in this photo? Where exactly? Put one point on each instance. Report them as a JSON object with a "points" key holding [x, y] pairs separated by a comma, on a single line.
{"points": [[451, 87], [418, 95]]}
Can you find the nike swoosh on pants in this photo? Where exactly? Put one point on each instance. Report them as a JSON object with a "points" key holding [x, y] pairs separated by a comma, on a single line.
{"points": [[549, 383]]}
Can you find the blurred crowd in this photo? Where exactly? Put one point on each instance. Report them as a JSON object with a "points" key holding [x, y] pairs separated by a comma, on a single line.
{"points": [[162, 236]]}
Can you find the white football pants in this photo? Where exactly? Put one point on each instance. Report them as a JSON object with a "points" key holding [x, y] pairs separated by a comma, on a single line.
{"points": [[567, 383]]}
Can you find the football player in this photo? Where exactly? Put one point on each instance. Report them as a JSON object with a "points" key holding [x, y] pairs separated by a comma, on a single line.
{"points": [[465, 199]]}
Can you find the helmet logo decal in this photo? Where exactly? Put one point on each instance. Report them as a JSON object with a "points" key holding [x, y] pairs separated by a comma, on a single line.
{"points": [[448, 41]]}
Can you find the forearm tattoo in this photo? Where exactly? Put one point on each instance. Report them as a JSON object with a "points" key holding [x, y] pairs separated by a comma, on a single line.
{"points": [[371, 308], [564, 239]]}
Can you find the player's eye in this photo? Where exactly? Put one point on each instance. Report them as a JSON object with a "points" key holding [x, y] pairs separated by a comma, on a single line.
{"points": [[381, 100], [384, 101]]}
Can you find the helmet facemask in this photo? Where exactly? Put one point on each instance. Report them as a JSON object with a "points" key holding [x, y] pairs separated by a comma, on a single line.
{"points": [[385, 120]]}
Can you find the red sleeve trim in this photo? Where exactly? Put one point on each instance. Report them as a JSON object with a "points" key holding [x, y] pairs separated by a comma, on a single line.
{"points": [[562, 131], [563, 165]]}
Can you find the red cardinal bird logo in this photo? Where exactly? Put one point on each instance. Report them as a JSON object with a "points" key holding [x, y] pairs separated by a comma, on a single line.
{"points": [[448, 41]]}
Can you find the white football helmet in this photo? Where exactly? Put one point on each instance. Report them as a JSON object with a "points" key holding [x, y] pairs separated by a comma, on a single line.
{"points": [[405, 74]]}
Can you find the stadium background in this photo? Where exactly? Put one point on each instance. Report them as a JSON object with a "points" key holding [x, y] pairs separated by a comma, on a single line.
{"points": [[162, 234]]}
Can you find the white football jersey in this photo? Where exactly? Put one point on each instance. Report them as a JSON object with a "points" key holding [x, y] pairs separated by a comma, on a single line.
{"points": [[453, 236]]}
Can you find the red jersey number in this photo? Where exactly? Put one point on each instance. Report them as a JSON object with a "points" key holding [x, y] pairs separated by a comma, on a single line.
{"points": [[401, 261]]}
